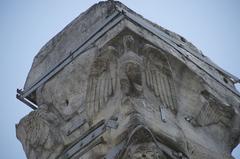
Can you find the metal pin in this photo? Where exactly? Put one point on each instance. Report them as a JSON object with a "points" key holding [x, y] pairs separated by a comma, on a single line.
{"points": [[162, 114]]}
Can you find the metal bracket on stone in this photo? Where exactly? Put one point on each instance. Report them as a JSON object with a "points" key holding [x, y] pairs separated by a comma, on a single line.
{"points": [[89, 139], [73, 125], [26, 101]]}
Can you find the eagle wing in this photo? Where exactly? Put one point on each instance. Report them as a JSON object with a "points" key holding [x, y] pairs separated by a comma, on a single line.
{"points": [[102, 80], [158, 76], [214, 111]]}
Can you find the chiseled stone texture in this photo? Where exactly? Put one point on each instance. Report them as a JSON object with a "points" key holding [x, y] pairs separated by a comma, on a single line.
{"points": [[162, 105]]}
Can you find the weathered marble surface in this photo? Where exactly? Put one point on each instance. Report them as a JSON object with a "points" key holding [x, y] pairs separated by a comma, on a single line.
{"points": [[163, 105]]}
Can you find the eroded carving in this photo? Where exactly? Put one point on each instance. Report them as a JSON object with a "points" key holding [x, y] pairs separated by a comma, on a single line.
{"points": [[159, 76], [130, 70], [39, 134], [102, 80], [214, 112], [142, 144], [145, 151]]}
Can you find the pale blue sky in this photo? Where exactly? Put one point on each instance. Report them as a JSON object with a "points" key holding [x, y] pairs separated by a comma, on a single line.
{"points": [[26, 25]]}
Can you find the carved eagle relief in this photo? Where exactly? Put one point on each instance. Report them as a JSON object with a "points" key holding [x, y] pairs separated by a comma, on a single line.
{"points": [[158, 76], [214, 112], [102, 80], [129, 67]]}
